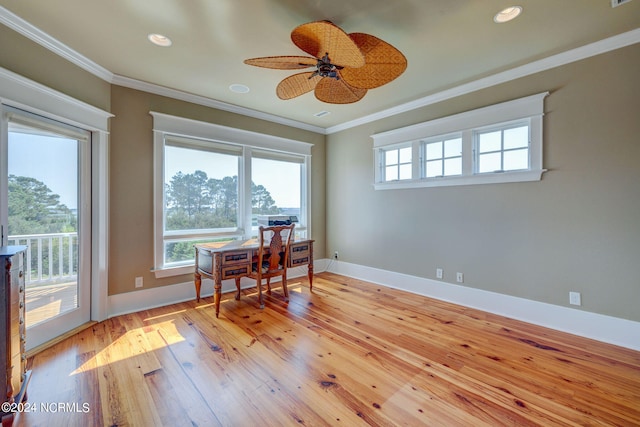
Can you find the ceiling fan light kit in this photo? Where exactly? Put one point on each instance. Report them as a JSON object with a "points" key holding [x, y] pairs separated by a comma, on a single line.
{"points": [[346, 65]]}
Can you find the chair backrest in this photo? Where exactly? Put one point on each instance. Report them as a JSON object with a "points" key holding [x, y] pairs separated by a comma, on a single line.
{"points": [[278, 238]]}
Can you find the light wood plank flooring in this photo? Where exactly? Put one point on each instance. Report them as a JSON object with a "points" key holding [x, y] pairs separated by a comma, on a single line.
{"points": [[352, 353]]}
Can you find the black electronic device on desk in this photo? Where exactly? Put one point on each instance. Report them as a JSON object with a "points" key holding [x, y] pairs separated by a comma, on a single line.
{"points": [[274, 220]]}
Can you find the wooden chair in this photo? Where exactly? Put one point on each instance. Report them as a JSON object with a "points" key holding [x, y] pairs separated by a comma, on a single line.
{"points": [[273, 257]]}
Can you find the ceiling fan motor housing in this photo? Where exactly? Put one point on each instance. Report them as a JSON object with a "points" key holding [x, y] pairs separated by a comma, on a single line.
{"points": [[326, 68]]}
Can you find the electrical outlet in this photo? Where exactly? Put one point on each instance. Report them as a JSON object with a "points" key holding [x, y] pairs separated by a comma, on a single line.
{"points": [[438, 273], [139, 282], [460, 277], [575, 298], [335, 255]]}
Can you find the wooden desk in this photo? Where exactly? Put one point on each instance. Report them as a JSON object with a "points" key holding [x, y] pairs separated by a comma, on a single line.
{"points": [[232, 260]]}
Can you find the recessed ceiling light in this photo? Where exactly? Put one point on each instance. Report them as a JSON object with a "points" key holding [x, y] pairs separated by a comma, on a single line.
{"points": [[506, 15], [159, 40], [238, 88]]}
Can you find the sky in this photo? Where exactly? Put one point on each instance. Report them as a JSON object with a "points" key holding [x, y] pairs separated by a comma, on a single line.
{"points": [[281, 179], [53, 160]]}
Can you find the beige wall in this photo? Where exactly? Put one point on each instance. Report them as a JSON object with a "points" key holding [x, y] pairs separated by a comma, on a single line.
{"points": [[131, 181], [577, 229], [22, 56]]}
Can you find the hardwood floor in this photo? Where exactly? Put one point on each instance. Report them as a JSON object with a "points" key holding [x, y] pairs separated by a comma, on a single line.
{"points": [[352, 353]]}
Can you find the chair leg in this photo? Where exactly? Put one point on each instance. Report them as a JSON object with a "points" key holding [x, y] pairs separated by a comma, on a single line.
{"points": [[284, 288], [269, 285], [259, 283]]}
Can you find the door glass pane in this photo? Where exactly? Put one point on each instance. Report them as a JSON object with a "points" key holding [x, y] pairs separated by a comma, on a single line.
{"points": [[43, 214]]}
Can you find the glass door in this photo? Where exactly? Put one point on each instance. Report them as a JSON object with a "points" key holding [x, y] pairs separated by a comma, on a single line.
{"points": [[48, 201]]}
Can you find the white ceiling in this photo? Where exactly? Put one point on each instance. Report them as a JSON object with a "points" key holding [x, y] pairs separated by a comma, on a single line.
{"points": [[449, 45]]}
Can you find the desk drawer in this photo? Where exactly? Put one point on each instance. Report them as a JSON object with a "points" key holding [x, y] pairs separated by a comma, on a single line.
{"points": [[236, 257], [239, 270], [300, 254]]}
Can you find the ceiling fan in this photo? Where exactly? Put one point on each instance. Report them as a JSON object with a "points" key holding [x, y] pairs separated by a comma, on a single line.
{"points": [[346, 65]]}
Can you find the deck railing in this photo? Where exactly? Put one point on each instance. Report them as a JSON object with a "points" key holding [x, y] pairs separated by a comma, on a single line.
{"points": [[52, 258]]}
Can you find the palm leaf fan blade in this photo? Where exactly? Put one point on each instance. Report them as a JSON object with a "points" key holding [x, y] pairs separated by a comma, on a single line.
{"points": [[334, 91], [320, 38], [297, 84], [384, 63], [282, 62]]}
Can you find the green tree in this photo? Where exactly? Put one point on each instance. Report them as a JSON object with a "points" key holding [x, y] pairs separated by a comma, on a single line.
{"points": [[35, 209], [189, 193], [261, 201], [195, 201]]}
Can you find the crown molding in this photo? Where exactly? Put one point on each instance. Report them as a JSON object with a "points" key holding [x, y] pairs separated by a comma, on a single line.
{"points": [[209, 102], [26, 29], [33, 33]]}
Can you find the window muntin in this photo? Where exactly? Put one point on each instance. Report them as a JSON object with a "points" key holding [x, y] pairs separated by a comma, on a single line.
{"points": [[442, 157], [503, 149], [397, 164]]}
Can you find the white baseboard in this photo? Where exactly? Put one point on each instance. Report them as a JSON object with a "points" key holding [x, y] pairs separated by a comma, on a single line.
{"points": [[612, 330], [599, 327]]}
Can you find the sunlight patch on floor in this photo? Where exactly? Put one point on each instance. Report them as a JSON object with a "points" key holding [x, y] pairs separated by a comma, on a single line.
{"points": [[134, 344]]}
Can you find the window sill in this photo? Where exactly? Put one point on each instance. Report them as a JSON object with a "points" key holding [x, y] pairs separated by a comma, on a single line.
{"points": [[173, 271], [485, 178]]}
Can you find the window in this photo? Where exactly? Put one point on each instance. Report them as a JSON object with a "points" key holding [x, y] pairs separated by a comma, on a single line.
{"points": [[503, 149], [212, 184], [498, 143], [397, 164], [443, 157]]}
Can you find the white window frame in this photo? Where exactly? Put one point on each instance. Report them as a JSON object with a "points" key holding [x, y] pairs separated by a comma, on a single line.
{"points": [[167, 126], [529, 110]]}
